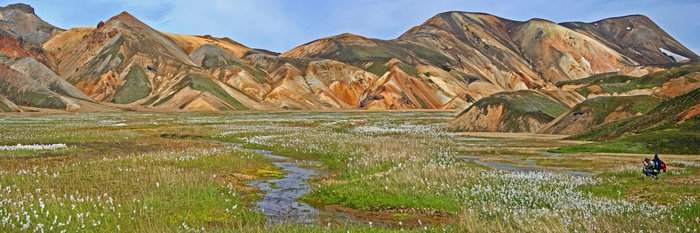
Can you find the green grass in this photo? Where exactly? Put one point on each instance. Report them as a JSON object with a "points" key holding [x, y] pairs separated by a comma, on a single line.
{"points": [[678, 139], [610, 147], [150, 192], [633, 184], [366, 196], [40, 153], [157, 171], [613, 77]]}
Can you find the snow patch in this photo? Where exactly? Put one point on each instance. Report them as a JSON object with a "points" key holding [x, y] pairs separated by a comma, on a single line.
{"points": [[674, 56], [585, 61]]}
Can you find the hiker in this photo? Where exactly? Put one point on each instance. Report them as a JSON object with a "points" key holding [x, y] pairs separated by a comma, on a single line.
{"points": [[649, 168], [659, 165]]}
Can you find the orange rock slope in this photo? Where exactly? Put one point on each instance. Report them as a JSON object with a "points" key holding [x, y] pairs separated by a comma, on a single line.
{"points": [[450, 61]]}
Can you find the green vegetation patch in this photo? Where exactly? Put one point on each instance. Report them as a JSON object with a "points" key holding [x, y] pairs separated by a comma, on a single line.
{"points": [[524, 103], [668, 189], [677, 139], [663, 117], [365, 196], [205, 84], [34, 97], [135, 87], [5, 108], [613, 77], [605, 105], [615, 83]]}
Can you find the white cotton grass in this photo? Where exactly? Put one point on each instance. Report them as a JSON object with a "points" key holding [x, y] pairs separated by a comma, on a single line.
{"points": [[684, 164], [34, 147], [385, 127]]}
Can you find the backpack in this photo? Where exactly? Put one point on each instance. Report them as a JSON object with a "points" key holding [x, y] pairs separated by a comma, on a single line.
{"points": [[659, 165]]}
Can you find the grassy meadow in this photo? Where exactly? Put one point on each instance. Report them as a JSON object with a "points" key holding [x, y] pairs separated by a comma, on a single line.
{"points": [[376, 172]]}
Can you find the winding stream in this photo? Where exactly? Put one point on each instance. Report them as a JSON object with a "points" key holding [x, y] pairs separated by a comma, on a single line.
{"points": [[280, 202]]}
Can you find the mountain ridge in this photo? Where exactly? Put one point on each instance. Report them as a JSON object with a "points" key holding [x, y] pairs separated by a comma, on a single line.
{"points": [[451, 60]]}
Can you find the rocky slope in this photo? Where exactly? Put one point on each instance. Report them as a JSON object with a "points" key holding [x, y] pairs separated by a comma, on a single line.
{"points": [[469, 56], [598, 111], [7, 105], [22, 33], [600, 99], [520, 111], [29, 91], [637, 37], [449, 62], [678, 105], [677, 118]]}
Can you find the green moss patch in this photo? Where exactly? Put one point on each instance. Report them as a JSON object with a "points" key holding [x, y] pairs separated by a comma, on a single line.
{"points": [[135, 87]]}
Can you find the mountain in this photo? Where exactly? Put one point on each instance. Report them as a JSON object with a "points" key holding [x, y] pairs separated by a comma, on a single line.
{"points": [[672, 127], [25, 90], [451, 61], [604, 99], [637, 37], [21, 21], [600, 110], [121, 51], [520, 111], [469, 56], [45, 76], [22, 33], [7, 105], [678, 106]]}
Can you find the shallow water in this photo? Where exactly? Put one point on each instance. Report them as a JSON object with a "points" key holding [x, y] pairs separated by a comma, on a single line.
{"points": [[507, 167], [280, 202]]}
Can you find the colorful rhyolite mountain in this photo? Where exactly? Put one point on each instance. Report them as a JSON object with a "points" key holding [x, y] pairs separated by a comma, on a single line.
{"points": [[455, 60]]}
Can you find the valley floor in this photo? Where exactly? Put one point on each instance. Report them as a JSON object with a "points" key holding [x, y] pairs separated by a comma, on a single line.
{"points": [[321, 172]]}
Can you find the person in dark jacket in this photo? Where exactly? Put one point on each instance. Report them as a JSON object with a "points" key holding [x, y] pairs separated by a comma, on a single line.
{"points": [[649, 168]]}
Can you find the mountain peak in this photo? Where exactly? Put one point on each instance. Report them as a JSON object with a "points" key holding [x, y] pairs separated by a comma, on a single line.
{"points": [[635, 17], [19, 6], [539, 20], [465, 13], [124, 16], [350, 36]]}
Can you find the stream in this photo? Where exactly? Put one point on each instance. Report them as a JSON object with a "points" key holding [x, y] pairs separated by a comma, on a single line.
{"points": [[280, 202]]}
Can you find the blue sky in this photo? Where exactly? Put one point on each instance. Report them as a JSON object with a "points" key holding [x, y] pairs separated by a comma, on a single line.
{"points": [[279, 25]]}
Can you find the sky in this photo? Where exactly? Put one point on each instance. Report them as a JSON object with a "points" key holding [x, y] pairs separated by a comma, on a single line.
{"points": [[280, 25]]}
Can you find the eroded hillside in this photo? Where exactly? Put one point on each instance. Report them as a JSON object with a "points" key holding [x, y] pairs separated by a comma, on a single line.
{"points": [[449, 62]]}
